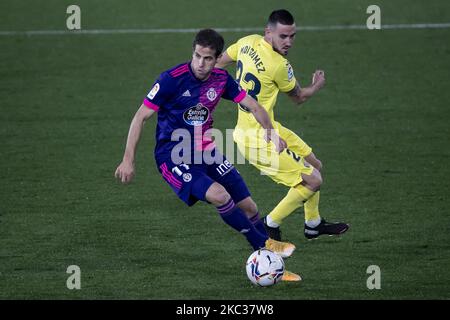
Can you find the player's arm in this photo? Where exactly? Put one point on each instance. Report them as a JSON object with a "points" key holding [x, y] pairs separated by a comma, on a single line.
{"points": [[224, 61], [125, 170], [300, 95], [228, 57], [262, 117]]}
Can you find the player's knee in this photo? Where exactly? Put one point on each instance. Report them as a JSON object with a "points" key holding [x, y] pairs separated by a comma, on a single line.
{"points": [[251, 209], [248, 206], [313, 181], [315, 162], [319, 165], [317, 180], [219, 197]]}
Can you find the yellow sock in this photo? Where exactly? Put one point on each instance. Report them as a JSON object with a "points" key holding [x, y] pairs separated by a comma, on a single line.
{"points": [[312, 207], [293, 200]]}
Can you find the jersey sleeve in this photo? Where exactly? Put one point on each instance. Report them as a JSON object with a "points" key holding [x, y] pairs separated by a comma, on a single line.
{"points": [[232, 51], [159, 93], [233, 90], [284, 77]]}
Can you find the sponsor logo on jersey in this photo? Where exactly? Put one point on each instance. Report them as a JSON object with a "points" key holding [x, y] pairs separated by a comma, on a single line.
{"points": [[186, 94], [224, 168], [211, 94], [290, 72], [153, 92], [196, 115]]}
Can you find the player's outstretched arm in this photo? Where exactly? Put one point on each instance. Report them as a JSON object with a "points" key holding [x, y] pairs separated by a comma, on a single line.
{"points": [[300, 95], [224, 61], [125, 170], [262, 117]]}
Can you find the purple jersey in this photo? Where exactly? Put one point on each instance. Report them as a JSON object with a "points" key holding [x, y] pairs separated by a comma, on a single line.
{"points": [[184, 102]]}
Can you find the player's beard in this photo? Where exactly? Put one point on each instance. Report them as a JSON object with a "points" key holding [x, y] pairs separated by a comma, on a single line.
{"points": [[280, 52], [202, 75]]}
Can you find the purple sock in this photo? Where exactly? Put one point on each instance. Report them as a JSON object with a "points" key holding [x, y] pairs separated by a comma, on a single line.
{"points": [[237, 219], [259, 225]]}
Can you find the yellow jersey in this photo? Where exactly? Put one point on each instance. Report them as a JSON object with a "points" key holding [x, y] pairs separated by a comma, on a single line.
{"points": [[263, 72]]}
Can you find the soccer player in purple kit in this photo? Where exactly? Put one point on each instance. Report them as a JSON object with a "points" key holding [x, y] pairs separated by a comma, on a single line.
{"points": [[185, 97]]}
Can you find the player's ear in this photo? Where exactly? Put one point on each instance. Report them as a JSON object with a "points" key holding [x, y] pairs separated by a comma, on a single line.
{"points": [[268, 34]]}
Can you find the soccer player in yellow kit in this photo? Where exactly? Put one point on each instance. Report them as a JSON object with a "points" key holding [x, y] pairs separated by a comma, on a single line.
{"points": [[262, 69]]}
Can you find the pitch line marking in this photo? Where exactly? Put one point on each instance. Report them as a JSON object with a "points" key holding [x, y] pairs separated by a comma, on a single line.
{"points": [[223, 30]]}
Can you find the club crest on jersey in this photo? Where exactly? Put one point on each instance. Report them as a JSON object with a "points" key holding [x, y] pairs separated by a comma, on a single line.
{"points": [[211, 94], [153, 92], [196, 115]]}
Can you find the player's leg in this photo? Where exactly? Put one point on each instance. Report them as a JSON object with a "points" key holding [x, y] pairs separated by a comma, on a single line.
{"points": [[237, 219], [274, 243], [233, 215], [311, 206], [192, 183], [240, 194], [226, 174], [249, 207], [290, 169], [282, 168], [314, 224], [297, 195], [251, 211], [309, 189], [235, 186], [301, 148], [314, 161], [306, 192]]}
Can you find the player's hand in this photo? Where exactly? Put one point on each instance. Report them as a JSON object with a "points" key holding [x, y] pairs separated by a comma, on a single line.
{"points": [[318, 79], [280, 144], [125, 172]]}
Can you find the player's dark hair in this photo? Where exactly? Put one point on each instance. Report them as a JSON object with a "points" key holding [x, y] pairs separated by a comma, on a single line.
{"points": [[281, 16], [211, 39]]}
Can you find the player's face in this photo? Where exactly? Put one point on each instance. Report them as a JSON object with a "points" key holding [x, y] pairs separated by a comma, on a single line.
{"points": [[281, 37], [203, 61]]}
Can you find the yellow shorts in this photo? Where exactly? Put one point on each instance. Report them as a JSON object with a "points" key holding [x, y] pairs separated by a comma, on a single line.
{"points": [[285, 168]]}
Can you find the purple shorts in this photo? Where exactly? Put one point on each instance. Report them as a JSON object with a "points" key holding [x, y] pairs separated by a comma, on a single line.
{"points": [[191, 181]]}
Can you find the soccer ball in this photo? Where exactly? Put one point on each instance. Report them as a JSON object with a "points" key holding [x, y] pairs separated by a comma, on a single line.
{"points": [[264, 267]]}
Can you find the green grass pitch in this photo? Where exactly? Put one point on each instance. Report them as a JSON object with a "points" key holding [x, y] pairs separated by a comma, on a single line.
{"points": [[380, 126]]}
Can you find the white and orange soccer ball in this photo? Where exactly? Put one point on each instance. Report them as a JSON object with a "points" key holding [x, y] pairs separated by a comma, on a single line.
{"points": [[265, 268]]}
